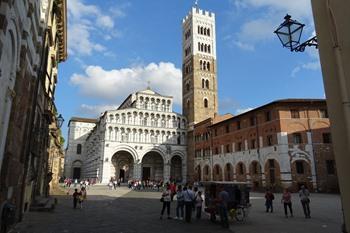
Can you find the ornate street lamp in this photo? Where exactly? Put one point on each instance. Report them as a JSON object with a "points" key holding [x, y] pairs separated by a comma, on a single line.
{"points": [[59, 121], [289, 33]]}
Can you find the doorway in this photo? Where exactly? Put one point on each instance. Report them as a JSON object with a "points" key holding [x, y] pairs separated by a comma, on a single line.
{"points": [[146, 173], [76, 173], [122, 175]]}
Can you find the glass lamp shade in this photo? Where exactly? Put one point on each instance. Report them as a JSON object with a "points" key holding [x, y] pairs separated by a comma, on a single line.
{"points": [[289, 32], [59, 121]]}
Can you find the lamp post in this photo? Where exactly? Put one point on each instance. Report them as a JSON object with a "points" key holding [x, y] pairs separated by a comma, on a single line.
{"points": [[59, 121], [289, 33]]}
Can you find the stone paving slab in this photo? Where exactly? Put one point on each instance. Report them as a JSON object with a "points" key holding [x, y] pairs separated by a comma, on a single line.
{"points": [[125, 211]]}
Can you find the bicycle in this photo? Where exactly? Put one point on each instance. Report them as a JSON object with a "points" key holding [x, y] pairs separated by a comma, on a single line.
{"points": [[240, 213]]}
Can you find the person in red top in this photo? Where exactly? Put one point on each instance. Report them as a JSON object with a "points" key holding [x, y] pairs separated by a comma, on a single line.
{"points": [[172, 190], [287, 201]]}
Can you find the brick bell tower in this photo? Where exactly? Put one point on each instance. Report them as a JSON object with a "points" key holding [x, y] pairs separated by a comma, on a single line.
{"points": [[199, 84]]}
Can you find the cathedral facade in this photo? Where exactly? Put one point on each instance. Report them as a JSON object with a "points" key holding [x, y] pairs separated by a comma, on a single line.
{"points": [[142, 139]]}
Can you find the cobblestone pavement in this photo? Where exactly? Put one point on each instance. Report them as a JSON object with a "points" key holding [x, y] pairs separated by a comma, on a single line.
{"points": [[122, 211]]}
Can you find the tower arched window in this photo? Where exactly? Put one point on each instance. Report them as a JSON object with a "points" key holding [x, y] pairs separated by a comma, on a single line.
{"points": [[203, 83], [207, 84], [199, 46], [201, 30], [208, 66], [208, 32], [187, 86], [205, 31], [202, 47], [209, 49], [205, 48], [201, 64], [204, 65], [206, 103], [188, 104]]}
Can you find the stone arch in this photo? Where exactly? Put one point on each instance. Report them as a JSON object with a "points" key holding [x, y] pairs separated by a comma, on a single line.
{"points": [[303, 177], [122, 166], [255, 174], [217, 172], [176, 165], [206, 173], [241, 172], [228, 172], [272, 174], [127, 148], [152, 165]]}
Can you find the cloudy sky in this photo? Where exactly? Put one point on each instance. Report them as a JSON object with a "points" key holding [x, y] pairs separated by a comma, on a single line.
{"points": [[117, 46]]}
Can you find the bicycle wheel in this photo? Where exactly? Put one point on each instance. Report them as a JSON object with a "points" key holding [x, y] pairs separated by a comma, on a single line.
{"points": [[240, 214]]}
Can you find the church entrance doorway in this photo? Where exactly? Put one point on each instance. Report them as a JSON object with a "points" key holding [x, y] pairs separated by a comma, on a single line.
{"points": [[152, 166], [122, 166], [76, 173]]}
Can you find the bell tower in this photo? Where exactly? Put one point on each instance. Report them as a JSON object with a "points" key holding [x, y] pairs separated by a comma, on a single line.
{"points": [[199, 66], [199, 79]]}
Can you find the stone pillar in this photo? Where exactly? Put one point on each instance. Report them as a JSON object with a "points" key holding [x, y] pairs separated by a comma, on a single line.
{"points": [[137, 172]]}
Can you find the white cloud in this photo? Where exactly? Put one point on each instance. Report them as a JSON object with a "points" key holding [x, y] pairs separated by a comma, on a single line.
{"points": [[244, 46], [259, 27], [95, 110], [227, 105], [243, 110], [314, 65], [84, 22], [117, 84]]}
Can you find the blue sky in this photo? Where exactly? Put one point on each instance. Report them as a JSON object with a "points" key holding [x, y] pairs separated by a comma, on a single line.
{"points": [[116, 46]]}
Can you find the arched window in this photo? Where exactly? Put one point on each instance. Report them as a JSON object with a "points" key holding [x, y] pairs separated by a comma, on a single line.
{"points": [[203, 83], [201, 64], [202, 47], [188, 104], [199, 46], [208, 66], [208, 32], [205, 103], [205, 31], [208, 48], [187, 86], [79, 149], [199, 29], [205, 48], [207, 84], [204, 65], [202, 30]]}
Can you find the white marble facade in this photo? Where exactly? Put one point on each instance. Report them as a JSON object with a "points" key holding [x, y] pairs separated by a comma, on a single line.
{"points": [[142, 139]]}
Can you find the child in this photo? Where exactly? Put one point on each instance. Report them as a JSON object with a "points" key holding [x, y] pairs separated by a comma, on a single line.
{"points": [[76, 195]]}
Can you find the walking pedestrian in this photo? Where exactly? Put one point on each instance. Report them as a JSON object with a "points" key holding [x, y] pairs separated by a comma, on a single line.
{"points": [[269, 197], [199, 201], [287, 202], [82, 197], [166, 198], [76, 195], [223, 206], [304, 195], [188, 199], [180, 203]]}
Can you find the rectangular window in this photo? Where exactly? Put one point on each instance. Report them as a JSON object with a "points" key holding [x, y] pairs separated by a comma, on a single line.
{"points": [[269, 140], [268, 116], [299, 167], [330, 167], [323, 113], [327, 138], [297, 138], [216, 150], [238, 125], [227, 128], [215, 132], [252, 144], [295, 113]]}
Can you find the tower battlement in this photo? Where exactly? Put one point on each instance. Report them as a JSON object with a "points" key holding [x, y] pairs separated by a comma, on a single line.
{"points": [[197, 11]]}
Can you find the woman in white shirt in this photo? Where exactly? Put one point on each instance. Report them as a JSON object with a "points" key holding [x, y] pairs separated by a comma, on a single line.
{"points": [[166, 198]]}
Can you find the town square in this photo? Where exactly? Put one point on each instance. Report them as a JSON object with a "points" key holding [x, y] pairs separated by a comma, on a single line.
{"points": [[174, 116]]}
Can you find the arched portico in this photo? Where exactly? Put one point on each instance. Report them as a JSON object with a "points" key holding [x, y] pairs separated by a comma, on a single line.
{"points": [[152, 166], [122, 166]]}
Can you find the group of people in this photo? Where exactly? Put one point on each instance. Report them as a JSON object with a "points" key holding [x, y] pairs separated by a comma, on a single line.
{"points": [[114, 183], [68, 182], [286, 200], [188, 201], [79, 197], [145, 184]]}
